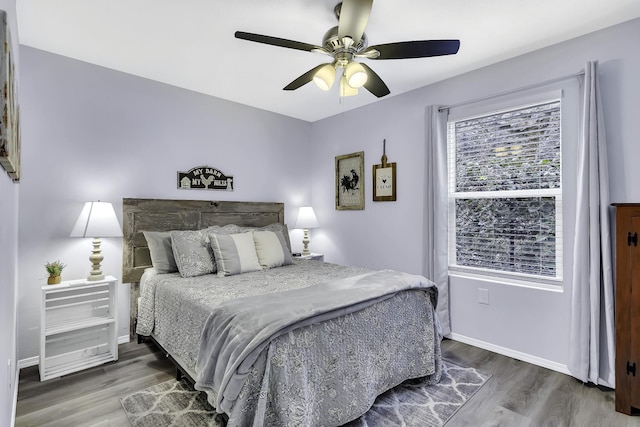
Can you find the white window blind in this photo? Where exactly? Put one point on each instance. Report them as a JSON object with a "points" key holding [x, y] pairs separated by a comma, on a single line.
{"points": [[505, 192]]}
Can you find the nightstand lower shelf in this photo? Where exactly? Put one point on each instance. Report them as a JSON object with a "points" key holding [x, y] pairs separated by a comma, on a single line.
{"points": [[54, 371]]}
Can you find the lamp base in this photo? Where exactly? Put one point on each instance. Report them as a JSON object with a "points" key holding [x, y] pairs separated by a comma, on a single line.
{"points": [[96, 258], [93, 277], [305, 242]]}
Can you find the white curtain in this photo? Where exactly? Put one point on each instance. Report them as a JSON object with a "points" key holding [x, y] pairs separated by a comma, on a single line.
{"points": [[436, 210], [592, 353]]}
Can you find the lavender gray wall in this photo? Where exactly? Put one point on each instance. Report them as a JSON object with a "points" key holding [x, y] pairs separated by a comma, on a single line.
{"points": [[522, 322], [9, 194], [90, 133]]}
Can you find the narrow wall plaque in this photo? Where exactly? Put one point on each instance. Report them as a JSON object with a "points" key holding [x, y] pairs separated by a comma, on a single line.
{"points": [[384, 179], [204, 178]]}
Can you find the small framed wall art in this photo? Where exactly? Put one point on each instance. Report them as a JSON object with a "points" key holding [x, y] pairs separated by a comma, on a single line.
{"points": [[384, 179], [350, 181]]}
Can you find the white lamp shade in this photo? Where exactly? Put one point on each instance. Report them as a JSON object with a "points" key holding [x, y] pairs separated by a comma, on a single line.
{"points": [[97, 219], [325, 77], [356, 74], [306, 218]]}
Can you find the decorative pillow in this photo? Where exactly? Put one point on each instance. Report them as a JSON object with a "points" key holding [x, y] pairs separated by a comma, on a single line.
{"points": [[234, 253], [159, 243], [226, 229], [276, 226], [272, 249], [192, 253]]}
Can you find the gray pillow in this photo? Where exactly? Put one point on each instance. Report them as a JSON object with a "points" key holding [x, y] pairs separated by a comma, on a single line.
{"points": [[234, 253], [226, 229], [159, 243], [192, 253]]}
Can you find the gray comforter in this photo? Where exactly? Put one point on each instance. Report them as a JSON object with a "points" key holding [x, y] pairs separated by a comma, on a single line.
{"points": [[322, 374], [239, 330]]}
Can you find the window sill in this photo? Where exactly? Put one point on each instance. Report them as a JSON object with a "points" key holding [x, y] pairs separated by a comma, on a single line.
{"points": [[545, 284]]}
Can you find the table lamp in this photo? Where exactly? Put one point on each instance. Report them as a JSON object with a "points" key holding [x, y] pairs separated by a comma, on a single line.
{"points": [[306, 220], [97, 219]]}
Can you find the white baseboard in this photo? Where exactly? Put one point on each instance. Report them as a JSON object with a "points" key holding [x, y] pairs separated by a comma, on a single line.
{"points": [[534, 360], [35, 360], [15, 397], [28, 362]]}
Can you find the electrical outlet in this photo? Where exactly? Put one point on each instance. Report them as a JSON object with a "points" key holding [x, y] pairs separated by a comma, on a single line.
{"points": [[483, 296]]}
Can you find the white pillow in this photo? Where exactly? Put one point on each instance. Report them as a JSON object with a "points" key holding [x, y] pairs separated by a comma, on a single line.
{"points": [[275, 227], [272, 249], [234, 253]]}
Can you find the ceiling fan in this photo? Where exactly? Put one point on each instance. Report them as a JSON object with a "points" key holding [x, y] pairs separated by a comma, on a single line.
{"points": [[345, 43]]}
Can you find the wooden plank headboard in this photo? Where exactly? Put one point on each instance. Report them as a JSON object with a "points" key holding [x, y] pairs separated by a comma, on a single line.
{"points": [[165, 215]]}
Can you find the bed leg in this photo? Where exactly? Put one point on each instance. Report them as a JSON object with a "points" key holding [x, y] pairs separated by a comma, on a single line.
{"points": [[135, 325], [178, 374]]}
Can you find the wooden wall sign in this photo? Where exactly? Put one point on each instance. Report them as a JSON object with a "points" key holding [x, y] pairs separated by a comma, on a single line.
{"points": [[204, 178]]}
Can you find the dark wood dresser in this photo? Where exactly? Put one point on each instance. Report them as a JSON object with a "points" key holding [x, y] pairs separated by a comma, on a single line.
{"points": [[627, 266]]}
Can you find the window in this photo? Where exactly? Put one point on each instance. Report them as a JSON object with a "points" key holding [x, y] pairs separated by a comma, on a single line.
{"points": [[505, 193]]}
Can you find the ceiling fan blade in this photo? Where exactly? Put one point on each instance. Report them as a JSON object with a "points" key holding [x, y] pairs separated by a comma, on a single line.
{"points": [[276, 41], [354, 15], [374, 83], [303, 79], [412, 49]]}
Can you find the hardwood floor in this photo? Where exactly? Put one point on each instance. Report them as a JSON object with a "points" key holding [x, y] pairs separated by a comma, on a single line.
{"points": [[524, 395], [91, 397], [518, 394]]}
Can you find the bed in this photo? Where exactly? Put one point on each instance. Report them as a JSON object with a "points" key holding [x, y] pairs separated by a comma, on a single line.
{"points": [[302, 343]]}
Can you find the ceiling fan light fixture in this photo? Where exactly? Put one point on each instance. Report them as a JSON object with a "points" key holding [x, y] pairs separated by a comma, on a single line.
{"points": [[346, 89], [325, 77], [355, 74], [347, 41]]}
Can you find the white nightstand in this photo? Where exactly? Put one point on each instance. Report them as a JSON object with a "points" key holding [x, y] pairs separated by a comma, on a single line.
{"points": [[313, 256], [78, 326]]}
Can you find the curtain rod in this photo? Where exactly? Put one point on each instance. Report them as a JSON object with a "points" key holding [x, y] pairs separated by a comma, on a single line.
{"points": [[509, 92]]}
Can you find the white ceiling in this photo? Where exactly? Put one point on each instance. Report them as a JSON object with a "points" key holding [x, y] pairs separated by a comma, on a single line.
{"points": [[191, 44]]}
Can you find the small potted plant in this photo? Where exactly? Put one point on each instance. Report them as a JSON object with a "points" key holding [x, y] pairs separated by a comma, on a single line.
{"points": [[55, 270]]}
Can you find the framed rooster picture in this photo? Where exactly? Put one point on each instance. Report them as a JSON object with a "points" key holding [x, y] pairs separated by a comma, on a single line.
{"points": [[350, 181]]}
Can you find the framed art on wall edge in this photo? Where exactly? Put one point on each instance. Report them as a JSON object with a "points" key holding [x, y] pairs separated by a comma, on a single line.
{"points": [[9, 121], [350, 181]]}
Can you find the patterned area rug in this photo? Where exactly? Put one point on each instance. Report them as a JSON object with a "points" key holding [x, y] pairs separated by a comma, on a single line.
{"points": [[175, 403]]}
